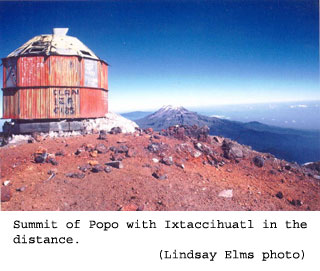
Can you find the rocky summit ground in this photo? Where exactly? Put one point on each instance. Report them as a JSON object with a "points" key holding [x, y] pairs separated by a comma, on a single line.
{"points": [[180, 168]]}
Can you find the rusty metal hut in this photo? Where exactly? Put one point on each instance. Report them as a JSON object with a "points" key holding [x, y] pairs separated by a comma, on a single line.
{"points": [[50, 78]]}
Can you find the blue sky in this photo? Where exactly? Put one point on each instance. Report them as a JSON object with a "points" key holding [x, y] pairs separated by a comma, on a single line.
{"points": [[191, 53]]}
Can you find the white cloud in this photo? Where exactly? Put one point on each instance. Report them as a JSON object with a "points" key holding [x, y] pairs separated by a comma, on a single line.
{"points": [[299, 105], [220, 117]]}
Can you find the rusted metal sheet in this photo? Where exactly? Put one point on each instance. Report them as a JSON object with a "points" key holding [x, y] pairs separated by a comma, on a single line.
{"points": [[10, 104], [55, 103], [55, 87]]}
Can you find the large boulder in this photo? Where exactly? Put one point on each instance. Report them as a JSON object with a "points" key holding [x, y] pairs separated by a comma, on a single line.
{"points": [[232, 150]]}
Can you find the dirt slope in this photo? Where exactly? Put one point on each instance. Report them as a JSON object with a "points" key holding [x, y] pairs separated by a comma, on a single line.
{"points": [[190, 175]]}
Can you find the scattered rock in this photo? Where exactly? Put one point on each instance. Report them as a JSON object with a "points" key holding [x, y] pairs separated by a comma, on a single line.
{"points": [[39, 159], [88, 147], [94, 154], [37, 137], [295, 202], [122, 149], [287, 167], [101, 148], [31, 140], [102, 135], [93, 162], [21, 189], [279, 195], [53, 161], [5, 194], [117, 157], [107, 169], [160, 175], [148, 131], [196, 154], [180, 165], [258, 161], [158, 148], [76, 175], [52, 171], [115, 164], [116, 130], [231, 150], [79, 151], [167, 161], [131, 153], [155, 160], [97, 168], [154, 147], [228, 193], [60, 153], [6, 183], [181, 132], [85, 168]]}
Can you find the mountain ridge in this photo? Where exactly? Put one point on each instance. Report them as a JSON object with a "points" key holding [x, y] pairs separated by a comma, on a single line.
{"points": [[291, 144]]}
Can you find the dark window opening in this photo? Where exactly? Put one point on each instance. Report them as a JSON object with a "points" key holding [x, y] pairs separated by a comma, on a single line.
{"points": [[85, 53], [36, 50], [36, 43]]}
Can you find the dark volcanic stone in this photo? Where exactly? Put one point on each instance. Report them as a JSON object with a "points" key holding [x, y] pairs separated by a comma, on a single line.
{"points": [[60, 153], [39, 159], [279, 195], [53, 161], [295, 202], [85, 168], [130, 153], [102, 135], [101, 148], [116, 130], [122, 149], [231, 150], [258, 161], [79, 151], [21, 189], [287, 167], [76, 175], [97, 168], [115, 164], [5, 194], [160, 175]]}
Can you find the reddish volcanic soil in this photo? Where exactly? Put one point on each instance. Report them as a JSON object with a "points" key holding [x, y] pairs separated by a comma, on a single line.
{"points": [[133, 187]]}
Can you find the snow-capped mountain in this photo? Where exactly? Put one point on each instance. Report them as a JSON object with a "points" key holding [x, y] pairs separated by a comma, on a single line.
{"points": [[172, 115]]}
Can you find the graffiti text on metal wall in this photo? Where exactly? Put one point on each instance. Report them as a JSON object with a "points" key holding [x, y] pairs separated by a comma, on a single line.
{"points": [[65, 101]]}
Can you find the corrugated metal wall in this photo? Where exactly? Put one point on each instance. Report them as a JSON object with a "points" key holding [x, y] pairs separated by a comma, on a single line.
{"points": [[53, 88]]}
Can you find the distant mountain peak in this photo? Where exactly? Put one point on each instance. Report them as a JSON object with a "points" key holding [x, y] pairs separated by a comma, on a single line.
{"points": [[169, 111]]}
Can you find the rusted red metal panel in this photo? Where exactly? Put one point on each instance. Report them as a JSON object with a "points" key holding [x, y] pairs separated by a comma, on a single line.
{"points": [[53, 87], [93, 103], [63, 71], [104, 76], [10, 104]]}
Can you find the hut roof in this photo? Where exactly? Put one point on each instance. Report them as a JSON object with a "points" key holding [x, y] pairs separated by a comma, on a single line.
{"points": [[57, 43]]}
